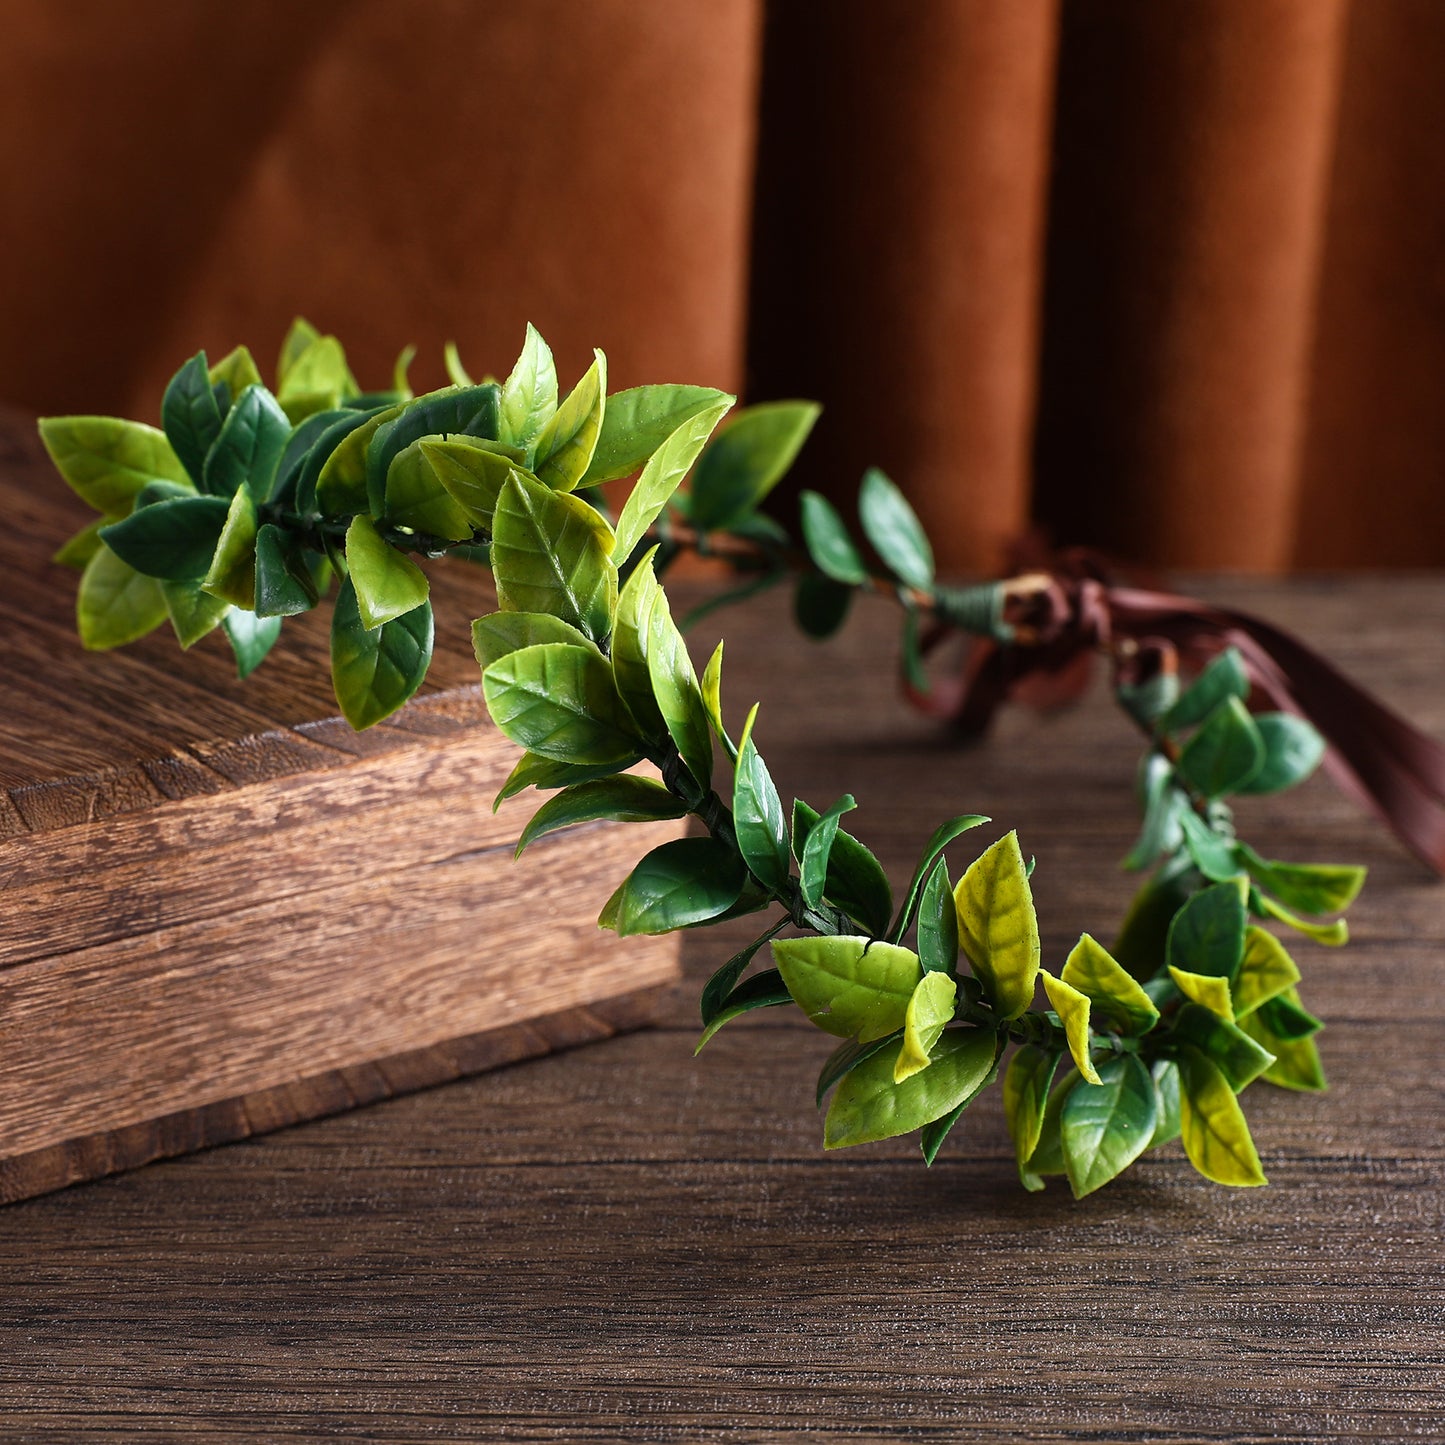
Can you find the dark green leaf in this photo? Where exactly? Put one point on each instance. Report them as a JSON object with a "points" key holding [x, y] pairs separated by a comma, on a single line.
{"points": [[1293, 749], [375, 670], [1140, 946], [1105, 1127], [893, 528], [251, 638], [1233, 1052], [686, 881], [820, 604], [1207, 934], [938, 922], [743, 464], [1161, 833], [464, 411], [1223, 678], [855, 879], [763, 990], [677, 693], [533, 771], [762, 833], [828, 542], [818, 849], [622, 799], [1165, 1074], [1225, 753], [248, 450], [637, 422], [321, 438], [720, 985], [190, 416], [943, 835], [284, 584], [174, 540], [933, 1134], [1311, 887], [1287, 1019], [1211, 852]]}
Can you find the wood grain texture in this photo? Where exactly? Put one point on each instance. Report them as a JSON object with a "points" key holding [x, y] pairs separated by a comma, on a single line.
{"points": [[627, 1244]]}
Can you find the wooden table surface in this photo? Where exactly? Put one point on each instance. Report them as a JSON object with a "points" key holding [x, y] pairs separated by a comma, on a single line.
{"points": [[627, 1244]]}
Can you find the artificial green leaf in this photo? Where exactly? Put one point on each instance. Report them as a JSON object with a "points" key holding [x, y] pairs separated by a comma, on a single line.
{"points": [[854, 879], [676, 692], [400, 367], [232, 573], [758, 821], [284, 584], [689, 880], [1223, 678], [193, 613], [457, 374], [622, 799], [304, 450], [1207, 990], [317, 380], [1296, 1064], [1166, 1093], [248, 450], [1267, 971], [1105, 1129], [869, 1105], [1232, 1051], [932, 1135], [1212, 853], [1288, 1019], [1207, 934], [929, 1011], [1092, 970], [115, 603], [1310, 887], [711, 686], [340, 487], [236, 370], [1293, 749], [1332, 935], [1216, 1137], [1026, 1084], [560, 702], [499, 633], [1161, 833], [471, 474], [565, 445], [190, 416], [469, 411], [107, 462], [747, 461], [79, 549], [997, 927], [416, 497], [251, 638], [893, 528], [820, 605], [717, 989], [174, 540], [845, 1058], [1141, 943], [1073, 1009], [1048, 1155], [938, 922], [943, 835], [763, 990], [374, 670], [533, 771], [817, 851], [1225, 753], [851, 987], [299, 336], [387, 584], [629, 648], [550, 553], [663, 474], [529, 394], [828, 542], [637, 422]]}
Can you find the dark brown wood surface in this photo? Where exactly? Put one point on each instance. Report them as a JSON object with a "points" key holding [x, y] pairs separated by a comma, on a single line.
{"points": [[627, 1244]]}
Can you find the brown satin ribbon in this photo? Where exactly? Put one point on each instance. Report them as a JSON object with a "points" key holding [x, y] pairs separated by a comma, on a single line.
{"points": [[1374, 753]]}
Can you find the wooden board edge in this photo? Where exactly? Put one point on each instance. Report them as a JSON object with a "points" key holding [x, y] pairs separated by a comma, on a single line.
{"points": [[80, 1160]]}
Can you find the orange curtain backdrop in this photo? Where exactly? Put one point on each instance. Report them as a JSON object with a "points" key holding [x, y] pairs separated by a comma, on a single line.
{"points": [[1164, 278]]}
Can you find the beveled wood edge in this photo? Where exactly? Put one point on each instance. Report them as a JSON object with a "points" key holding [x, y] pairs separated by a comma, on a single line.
{"points": [[227, 1121]]}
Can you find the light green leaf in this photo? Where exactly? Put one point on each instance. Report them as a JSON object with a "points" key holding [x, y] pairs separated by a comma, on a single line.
{"points": [[1026, 1084], [400, 367], [689, 880], [232, 573], [1225, 753], [1310, 887], [638, 421], [663, 474], [453, 411], [997, 926], [560, 702], [1092, 970], [174, 540], [1208, 990], [457, 374], [529, 394], [1207, 934], [850, 987], [418, 499], [1296, 1064], [1048, 1155], [845, 1058], [1213, 853], [193, 613], [828, 542], [550, 553], [854, 879], [565, 445], [237, 370], [1293, 749], [1161, 833], [341, 483], [107, 462], [1332, 935], [472, 474], [299, 336], [115, 603], [251, 638], [1165, 1074], [1073, 1009], [248, 450], [622, 799], [893, 528], [817, 850], [676, 691], [747, 461], [499, 633], [629, 648], [82, 547], [1267, 971], [1105, 1129], [868, 1105], [1216, 1137], [317, 380], [376, 669], [929, 1011], [758, 821], [712, 700], [1223, 678], [387, 584]]}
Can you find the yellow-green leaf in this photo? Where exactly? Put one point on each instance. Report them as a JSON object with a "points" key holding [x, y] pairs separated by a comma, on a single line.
{"points": [[472, 473], [929, 1012], [1332, 935], [1072, 1008], [529, 394], [299, 336], [848, 986], [1212, 1125], [116, 604], [629, 647], [997, 926], [1266, 972], [341, 485], [676, 691], [1026, 1084], [565, 445], [1092, 969], [387, 584], [238, 370], [232, 574], [712, 698], [109, 462], [83, 546], [1296, 1061], [194, 613], [1205, 989]]}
